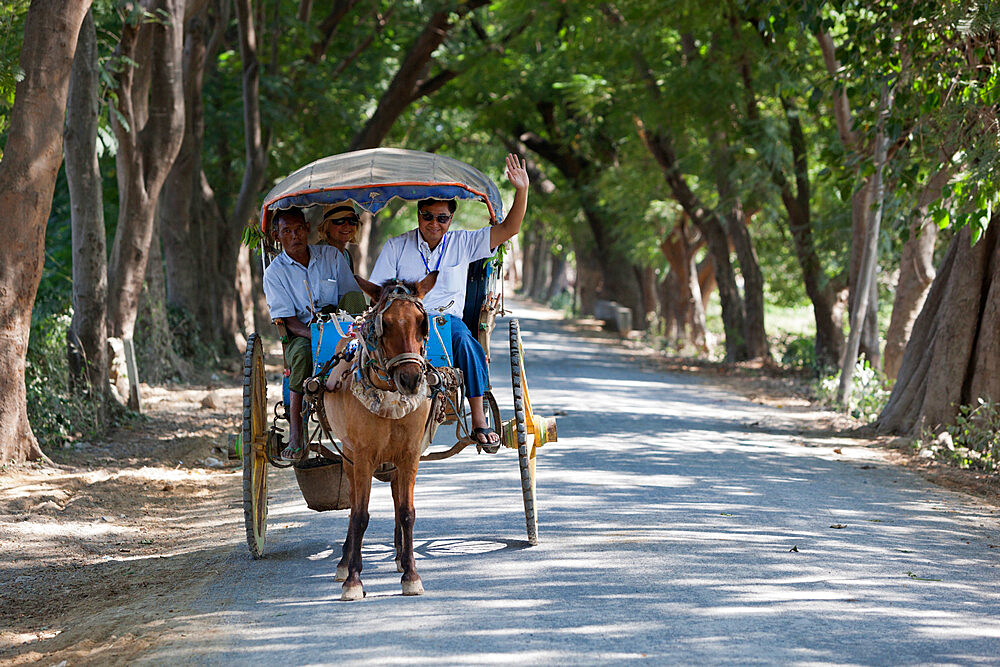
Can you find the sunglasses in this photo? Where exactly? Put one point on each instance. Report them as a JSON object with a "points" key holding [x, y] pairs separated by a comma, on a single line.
{"points": [[442, 218], [344, 221]]}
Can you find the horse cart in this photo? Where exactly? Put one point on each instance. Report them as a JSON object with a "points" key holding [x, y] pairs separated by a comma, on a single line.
{"points": [[371, 179]]}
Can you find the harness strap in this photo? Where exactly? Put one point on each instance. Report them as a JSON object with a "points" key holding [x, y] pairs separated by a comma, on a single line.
{"points": [[405, 358]]}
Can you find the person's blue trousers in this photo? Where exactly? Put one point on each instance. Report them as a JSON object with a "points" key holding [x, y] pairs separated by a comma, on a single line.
{"points": [[469, 357]]}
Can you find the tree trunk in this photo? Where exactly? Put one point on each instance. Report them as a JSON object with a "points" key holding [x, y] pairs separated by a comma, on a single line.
{"points": [[916, 272], [647, 280], [88, 335], [588, 274], [666, 292], [866, 288], [186, 255], [28, 171], [147, 147], [739, 238], [528, 267], [543, 272], [686, 304], [154, 346], [753, 288], [953, 353], [862, 203], [661, 148]]}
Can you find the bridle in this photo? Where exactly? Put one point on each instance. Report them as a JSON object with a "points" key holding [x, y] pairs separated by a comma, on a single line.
{"points": [[372, 355]]}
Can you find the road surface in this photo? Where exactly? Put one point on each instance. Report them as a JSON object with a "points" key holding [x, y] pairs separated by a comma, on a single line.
{"points": [[679, 523]]}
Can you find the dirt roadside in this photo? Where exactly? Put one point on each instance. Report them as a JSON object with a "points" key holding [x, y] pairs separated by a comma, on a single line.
{"points": [[102, 557]]}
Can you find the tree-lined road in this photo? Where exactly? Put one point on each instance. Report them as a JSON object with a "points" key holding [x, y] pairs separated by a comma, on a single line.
{"points": [[679, 523]]}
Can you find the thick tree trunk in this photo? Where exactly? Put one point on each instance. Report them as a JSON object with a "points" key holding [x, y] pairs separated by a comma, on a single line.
{"points": [[753, 288], [88, 335], [647, 279], [916, 272], [666, 292], [686, 302], [28, 171], [953, 352], [147, 148], [187, 258]]}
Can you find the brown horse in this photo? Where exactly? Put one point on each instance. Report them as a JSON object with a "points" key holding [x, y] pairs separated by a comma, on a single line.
{"points": [[381, 414]]}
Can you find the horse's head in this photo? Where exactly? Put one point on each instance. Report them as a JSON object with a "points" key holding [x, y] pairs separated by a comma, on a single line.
{"points": [[399, 328]]}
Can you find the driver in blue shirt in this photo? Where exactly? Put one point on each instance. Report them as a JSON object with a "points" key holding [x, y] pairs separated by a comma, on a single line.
{"points": [[432, 247]]}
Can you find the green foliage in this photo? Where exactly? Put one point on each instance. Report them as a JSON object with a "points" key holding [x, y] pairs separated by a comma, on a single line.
{"points": [[797, 351], [869, 394], [973, 441], [58, 415]]}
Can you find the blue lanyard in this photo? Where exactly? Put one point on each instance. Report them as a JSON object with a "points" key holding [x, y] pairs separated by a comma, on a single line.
{"points": [[427, 266]]}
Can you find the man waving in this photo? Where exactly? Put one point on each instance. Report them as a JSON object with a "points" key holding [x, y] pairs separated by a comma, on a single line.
{"points": [[432, 247]]}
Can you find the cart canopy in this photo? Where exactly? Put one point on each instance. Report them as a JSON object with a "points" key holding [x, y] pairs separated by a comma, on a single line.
{"points": [[372, 177]]}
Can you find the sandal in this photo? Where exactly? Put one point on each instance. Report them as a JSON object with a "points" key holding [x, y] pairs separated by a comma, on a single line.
{"points": [[294, 454], [489, 446]]}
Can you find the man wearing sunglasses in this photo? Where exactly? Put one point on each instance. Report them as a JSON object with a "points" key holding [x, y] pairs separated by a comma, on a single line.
{"points": [[433, 247]]}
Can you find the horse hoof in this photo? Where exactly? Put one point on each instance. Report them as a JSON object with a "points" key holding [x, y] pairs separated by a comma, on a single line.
{"points": [[399, 565], [351, 593], [413, 588], [341, 573]]}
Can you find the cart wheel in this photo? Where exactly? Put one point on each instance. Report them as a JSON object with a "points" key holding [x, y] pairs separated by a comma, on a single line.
{"points": [[525, 452], [254, 441]]}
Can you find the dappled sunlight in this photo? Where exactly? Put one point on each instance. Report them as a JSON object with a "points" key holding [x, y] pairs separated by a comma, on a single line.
{"points": [[668, 525]]}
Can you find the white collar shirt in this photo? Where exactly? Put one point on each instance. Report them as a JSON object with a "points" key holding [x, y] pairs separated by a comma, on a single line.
{"points": [[408, 257], [329, 278]]}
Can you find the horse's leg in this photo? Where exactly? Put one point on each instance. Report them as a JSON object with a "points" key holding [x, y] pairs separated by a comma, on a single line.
{"points": [[345, 554], [362, 485], [405, 515], [397, 533]]}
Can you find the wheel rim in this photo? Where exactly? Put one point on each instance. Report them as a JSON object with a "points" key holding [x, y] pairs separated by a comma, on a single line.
{"points": [[254, 436], [525, 452]]}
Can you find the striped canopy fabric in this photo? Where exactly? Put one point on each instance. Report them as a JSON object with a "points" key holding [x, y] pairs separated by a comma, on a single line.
{"points": [[372, 177]]}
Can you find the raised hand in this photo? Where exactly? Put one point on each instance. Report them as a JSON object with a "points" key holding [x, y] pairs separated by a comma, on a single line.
{"points": [[516, 172]]}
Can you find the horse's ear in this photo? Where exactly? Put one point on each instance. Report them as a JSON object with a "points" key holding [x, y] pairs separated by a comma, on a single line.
{"points": [[369, 288], [427, 284]]}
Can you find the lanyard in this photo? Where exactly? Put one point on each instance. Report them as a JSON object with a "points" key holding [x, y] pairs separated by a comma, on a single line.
{"points": [[427, 266]]}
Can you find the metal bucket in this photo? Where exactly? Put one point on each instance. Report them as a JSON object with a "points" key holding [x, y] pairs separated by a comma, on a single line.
{"points": [[323, 484]]}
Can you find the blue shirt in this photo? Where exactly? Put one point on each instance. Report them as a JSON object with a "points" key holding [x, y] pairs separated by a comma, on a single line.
{"points": [[408, 257], [329, 279]]}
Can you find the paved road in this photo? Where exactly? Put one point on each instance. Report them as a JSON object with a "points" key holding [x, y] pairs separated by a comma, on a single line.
{"points": [[669, 510]]}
